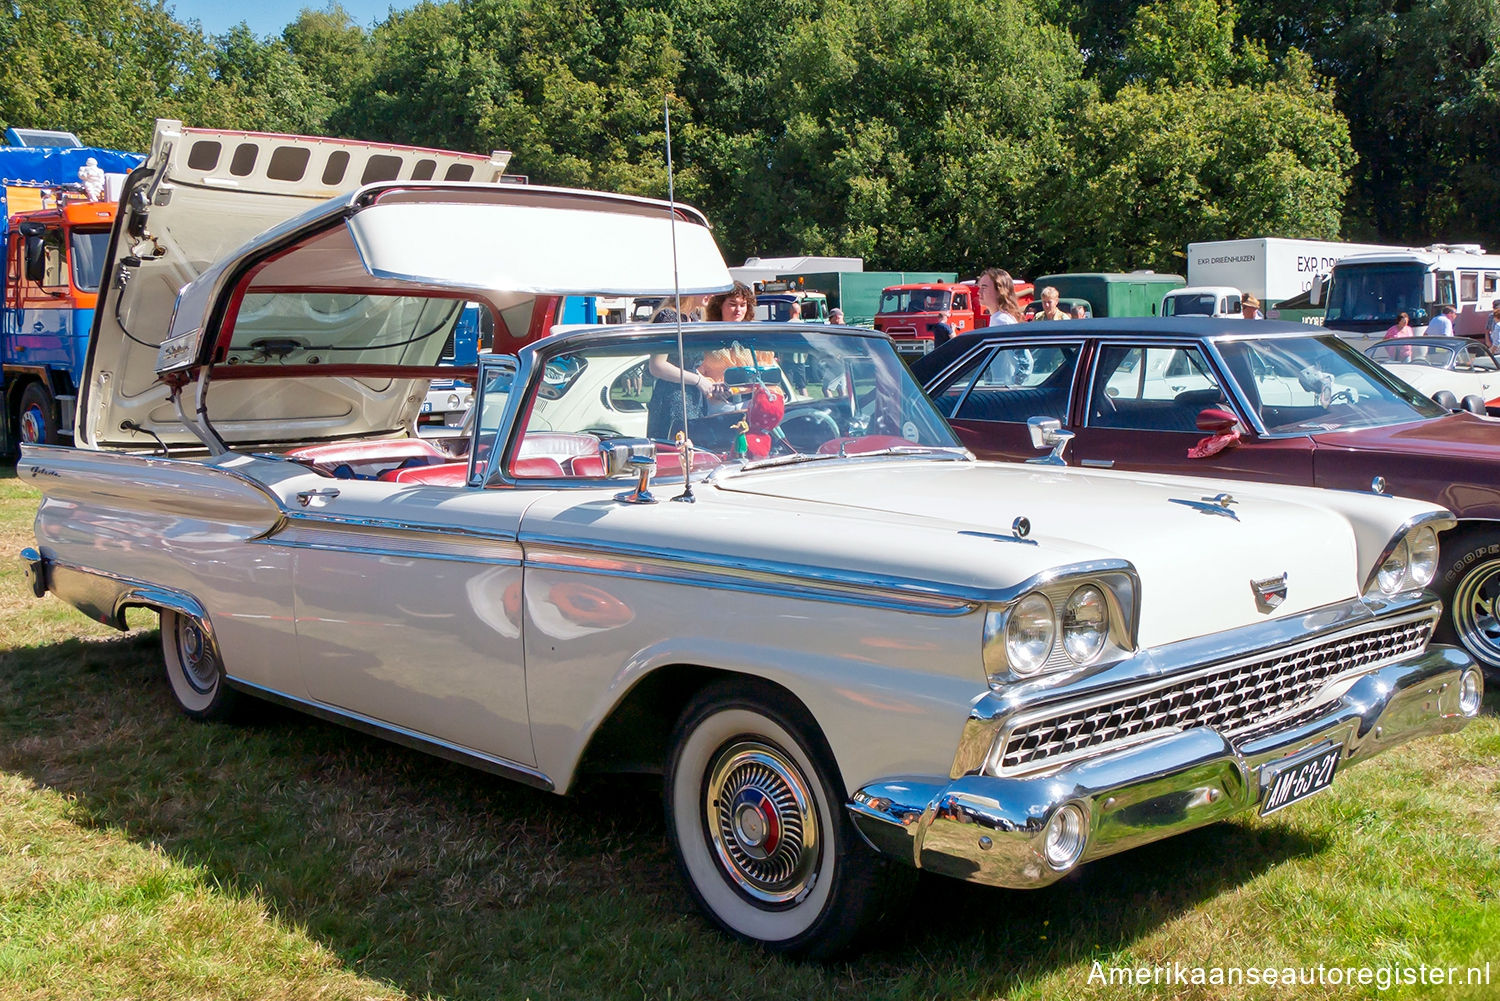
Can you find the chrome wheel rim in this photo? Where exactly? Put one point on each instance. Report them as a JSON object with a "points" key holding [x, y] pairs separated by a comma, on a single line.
{"points": [[1476, 612], [763, 823], [198, 664]]}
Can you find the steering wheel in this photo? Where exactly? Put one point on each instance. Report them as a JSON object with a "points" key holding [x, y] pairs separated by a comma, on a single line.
{"points": [[823, 420], [1343, 396]]}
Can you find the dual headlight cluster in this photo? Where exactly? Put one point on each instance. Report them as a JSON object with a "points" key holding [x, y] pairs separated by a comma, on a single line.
{"points": [[1059, 626], [1409, 564]]}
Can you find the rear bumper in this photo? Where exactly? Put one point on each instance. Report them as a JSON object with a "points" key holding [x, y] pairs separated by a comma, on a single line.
{"points": [[993, 830]]}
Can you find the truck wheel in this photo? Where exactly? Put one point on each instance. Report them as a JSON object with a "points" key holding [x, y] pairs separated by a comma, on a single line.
{"points": [[1469, 582], [755, 814], [37, 422], [194, 669]]}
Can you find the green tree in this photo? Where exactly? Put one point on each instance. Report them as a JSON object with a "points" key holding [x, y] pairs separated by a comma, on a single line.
{"points": [[261, 85]]}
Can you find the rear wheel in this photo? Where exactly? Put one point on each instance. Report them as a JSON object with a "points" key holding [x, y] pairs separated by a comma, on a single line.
{"points": [[37, 423], [1470, 585], [194, 669], [756, 816]]}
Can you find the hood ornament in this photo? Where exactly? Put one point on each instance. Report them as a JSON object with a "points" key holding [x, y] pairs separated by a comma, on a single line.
{"points": [[1270, 592]]}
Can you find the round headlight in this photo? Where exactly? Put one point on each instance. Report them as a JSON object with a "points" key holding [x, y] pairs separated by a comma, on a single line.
{"points": [[1065, 837], [1028, 634], [1422, 549], [1085, 624], [453, 401], [1393, 569]]}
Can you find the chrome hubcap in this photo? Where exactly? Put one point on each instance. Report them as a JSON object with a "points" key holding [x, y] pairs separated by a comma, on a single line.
{"points": [[1475, 615], [763, 823], [31, 425], [198, 665]]}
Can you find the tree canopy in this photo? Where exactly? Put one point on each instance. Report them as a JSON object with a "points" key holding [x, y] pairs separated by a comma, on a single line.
{"points": [[1041, 135]]}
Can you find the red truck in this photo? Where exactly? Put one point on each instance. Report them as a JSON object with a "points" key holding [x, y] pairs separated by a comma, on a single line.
{"points": [[908, 313]]}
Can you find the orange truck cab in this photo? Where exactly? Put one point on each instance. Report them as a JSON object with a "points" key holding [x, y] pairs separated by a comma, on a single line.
{"points": [[909, 313]]}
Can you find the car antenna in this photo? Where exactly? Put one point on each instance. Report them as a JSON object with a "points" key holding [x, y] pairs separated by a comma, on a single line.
{"points": [[686, 456]]}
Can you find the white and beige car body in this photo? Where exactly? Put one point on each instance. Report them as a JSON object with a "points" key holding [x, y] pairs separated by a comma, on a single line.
{"points": [[993, 671]]}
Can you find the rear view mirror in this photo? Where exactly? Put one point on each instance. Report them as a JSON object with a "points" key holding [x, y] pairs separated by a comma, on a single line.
{"points": [[36, 259], [1429, 287], [1047, 432], [1216, 421], [1315, 294]]}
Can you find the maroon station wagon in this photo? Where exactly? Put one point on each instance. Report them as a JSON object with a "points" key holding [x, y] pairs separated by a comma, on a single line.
{"points": [[1244, 399]]}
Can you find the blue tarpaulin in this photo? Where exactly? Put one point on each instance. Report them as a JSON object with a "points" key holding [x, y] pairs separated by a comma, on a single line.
{"points": [[26, 166]]}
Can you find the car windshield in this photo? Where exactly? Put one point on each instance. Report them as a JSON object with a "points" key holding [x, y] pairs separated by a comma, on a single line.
{"points": [[1375, 293], [752, 392], [1190, 305], [1301, 385], [918, 300], [1411, 351]]}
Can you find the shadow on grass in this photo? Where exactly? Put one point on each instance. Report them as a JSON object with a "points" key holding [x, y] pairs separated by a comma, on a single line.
{"points": [[441, 880]]}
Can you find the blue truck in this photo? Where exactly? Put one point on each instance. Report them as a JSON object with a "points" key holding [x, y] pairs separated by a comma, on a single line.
{"points": [[55, 239]]}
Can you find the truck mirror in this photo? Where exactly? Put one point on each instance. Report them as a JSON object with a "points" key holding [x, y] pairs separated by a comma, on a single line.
{"points": [[36, 259], [1429, 286], [1315, 294]]}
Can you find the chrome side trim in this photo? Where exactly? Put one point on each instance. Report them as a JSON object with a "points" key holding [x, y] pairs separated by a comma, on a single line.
{"points": [[104, 596], [375, 538], [1438, 521], [400, 735], [743, 573], [747, 576]]}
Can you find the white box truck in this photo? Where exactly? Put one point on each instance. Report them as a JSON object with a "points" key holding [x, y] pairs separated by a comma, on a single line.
{"points": [[1270, 267]]}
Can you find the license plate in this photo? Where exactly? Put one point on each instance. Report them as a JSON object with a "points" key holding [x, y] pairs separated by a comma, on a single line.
{"points": [[1286, 781], [426, 407]]}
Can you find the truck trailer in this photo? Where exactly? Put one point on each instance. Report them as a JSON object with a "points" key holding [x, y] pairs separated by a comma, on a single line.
{"points": [[1271, 268]]}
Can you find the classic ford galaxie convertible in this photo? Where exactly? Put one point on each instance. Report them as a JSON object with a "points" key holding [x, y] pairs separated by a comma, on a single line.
{"points": [[751, 557]]}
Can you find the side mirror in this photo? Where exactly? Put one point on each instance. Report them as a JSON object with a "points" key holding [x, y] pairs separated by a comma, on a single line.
{"points": [[36, 259], [1047, 432], [635, 456], [1315, 294], [1429, 286], [1216, 421]]}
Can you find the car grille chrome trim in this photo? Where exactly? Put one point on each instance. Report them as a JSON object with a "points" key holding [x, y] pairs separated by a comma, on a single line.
{"points": [[1237, 698]]}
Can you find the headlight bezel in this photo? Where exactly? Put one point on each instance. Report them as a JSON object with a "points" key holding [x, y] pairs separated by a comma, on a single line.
{"points": [[1417, 550], [1119, 587]]}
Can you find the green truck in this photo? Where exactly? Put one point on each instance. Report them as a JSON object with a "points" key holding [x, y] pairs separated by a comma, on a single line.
{"points": [[857, 293], [1135, 293]]}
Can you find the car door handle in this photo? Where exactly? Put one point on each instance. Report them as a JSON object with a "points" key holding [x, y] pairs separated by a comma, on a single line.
{"points": [[316, 498], [1098, 463]]}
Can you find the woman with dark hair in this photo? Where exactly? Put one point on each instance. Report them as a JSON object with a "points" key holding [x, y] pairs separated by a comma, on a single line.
{"points": [[733, 306], [664, 409]]}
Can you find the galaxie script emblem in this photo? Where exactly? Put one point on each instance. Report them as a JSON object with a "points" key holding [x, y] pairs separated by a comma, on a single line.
{"points": [[1270, 592]]}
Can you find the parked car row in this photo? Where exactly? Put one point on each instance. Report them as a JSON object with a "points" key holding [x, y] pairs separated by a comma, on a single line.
{"points": [[753, 557]]}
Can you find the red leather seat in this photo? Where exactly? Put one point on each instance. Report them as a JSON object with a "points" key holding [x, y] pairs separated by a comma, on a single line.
{"points": [[446, 474]]}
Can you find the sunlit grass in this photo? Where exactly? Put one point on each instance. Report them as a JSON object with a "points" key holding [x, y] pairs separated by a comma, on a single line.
{"points": [[145, 856]]}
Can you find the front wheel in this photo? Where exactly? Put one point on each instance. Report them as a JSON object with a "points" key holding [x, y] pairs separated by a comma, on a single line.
{"points": [[37, 418], [756, 817], [194, 669], [1470, 585]]}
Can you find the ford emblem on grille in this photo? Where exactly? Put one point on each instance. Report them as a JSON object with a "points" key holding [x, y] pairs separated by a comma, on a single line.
{"points": [[1270, 592]]}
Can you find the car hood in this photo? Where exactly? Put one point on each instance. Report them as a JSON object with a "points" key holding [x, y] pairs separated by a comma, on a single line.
{"points": [[1197, 557], [1452, 434]]}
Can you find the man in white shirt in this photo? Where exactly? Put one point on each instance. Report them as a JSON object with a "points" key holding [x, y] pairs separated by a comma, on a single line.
{"points": [[1442, 324]]}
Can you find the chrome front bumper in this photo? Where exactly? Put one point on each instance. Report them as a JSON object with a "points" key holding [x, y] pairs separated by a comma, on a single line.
{"points": [[992, 830]]}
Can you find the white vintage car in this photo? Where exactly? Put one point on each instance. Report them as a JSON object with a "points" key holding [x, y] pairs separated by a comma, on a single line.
{"points": [[863, 654], [1461, 366]]}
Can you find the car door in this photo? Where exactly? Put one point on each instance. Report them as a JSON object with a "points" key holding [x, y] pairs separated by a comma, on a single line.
{"points": [[1141, 410], [407, 607], [1482, 373], [989, 399]]}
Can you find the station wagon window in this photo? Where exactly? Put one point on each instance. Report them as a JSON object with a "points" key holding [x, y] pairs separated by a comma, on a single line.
{"points": [[1019, 382], [1152, 388]]}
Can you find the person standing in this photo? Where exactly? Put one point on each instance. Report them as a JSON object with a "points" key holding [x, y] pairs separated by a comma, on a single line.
{"points": [[1492, 326], [1250, 307], [997, 294], [1442, 324], [1049, 310], [1401, 328], [664, 410], [942, 330]]}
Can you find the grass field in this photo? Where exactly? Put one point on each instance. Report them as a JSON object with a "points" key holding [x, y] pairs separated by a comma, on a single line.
{"points": [[146, 856]]}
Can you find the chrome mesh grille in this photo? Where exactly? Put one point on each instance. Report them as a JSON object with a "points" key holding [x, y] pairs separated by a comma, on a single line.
{"points": [[1232, 698]]}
